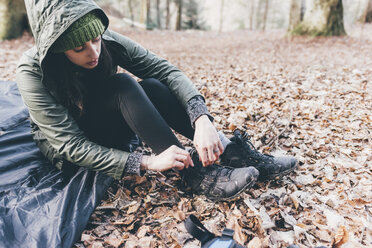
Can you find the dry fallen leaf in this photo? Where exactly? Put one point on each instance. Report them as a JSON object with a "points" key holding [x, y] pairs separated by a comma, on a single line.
{"points": [[294, 200], [143, 230], [179, 215], [255, 243], [341, 237], [97, 245], [232, 127], [256, 81], [233, 224], [114, 239]]}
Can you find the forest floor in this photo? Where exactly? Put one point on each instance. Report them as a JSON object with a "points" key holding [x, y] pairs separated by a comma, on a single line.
{"points": [[303, 96]]}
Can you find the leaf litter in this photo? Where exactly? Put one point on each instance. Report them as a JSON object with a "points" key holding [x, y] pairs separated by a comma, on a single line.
{"points": [[307, 97]]}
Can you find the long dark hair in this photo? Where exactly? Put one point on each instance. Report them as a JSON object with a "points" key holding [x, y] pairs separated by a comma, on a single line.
{"points": [[67, 81]]}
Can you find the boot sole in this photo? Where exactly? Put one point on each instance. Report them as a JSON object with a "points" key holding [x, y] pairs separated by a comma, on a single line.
{"points": [[278, 175]]}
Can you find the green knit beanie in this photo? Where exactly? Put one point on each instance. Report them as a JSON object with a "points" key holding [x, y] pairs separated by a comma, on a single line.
{"points": [[84, 29]]}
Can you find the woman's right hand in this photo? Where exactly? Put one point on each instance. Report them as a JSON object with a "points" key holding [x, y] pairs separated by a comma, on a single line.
{"points": [[173, 157]]}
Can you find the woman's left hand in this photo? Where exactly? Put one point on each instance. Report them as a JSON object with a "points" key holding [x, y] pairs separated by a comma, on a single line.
{"points": [[206, 141]]}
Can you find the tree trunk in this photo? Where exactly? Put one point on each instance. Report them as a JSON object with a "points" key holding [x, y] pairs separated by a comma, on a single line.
{"points": [[148, 15], [322, 18], [131, 10], [143, 12], [303, 8], [251, 16], [265, 15], [13, 18], [167, 17], [259, 16], [221, 15], [158, 16], [179, 15], [294, 14], [367, 12]]}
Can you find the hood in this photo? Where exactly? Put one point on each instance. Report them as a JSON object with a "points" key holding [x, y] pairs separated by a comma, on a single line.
{"points": [[50, 18]]}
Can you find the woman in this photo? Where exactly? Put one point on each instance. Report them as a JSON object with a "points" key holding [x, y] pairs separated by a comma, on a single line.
{"points": [[84, 113]]}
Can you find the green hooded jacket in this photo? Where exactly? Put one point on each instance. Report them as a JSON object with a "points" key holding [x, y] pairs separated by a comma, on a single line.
{"points": [[53, 128]]}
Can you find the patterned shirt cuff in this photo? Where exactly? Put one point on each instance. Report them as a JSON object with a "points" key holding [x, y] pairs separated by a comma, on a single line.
{"points": [[133, 164], [195, 108]]}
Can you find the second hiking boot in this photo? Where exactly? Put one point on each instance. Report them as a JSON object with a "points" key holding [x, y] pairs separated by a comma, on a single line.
{"points": [[217, 182], [241, 153]]}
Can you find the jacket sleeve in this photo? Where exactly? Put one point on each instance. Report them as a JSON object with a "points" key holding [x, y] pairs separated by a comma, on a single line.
{"points": [[60, 129], [195, 108], [144, 64]]}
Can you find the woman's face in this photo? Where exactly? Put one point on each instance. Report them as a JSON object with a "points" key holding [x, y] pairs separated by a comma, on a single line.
{"points": [[86, 55]]}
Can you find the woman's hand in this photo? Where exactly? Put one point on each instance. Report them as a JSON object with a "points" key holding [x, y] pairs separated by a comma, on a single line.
{"points": [[173, 157], [206, 141]]}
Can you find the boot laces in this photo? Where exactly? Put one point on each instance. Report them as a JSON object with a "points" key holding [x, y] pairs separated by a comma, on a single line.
{"points": [[248, 148], [213, 171]]}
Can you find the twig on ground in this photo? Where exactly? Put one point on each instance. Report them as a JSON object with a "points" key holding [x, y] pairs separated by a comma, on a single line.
{"points": [[106, 207], [274, 138]]}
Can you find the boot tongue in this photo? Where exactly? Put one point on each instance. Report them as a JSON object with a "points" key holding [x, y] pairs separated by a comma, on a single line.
{"points": [[238, 138], [244, 141], [236, 133], [195, 158], [245, 136]]}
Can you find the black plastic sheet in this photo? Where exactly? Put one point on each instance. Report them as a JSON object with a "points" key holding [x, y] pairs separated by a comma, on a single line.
{"points": [[40, 206]]}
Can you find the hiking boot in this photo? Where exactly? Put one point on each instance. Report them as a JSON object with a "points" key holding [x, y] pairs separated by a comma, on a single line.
{"points": [[241, 153], [217, 182]]}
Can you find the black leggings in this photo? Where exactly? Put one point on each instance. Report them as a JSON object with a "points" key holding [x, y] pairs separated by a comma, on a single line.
{"points": [[125, 108]]}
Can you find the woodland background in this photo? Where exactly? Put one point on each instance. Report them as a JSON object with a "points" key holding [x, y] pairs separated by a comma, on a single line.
{"points": [[296, 75]]}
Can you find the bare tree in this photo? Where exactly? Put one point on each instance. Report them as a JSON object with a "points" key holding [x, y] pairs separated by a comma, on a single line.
{"points": [[167, 17], [179, 15], [294, 14], [259, 16], [191, 15], [322, 18], [13, 18], [148, 15], [369, 12], [131, 11], [143, 12], [265, 14], [303, 8], [158, 14], [366, 15], [251, 15]]}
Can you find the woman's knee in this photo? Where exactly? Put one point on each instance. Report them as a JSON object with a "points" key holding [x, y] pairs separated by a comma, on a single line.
{"points": [[150, 82], [121, 78], [122, 83], [154, 87]]}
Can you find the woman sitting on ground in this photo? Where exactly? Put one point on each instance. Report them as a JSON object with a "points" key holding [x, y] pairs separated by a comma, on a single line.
{"points": [[84, 113]]}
